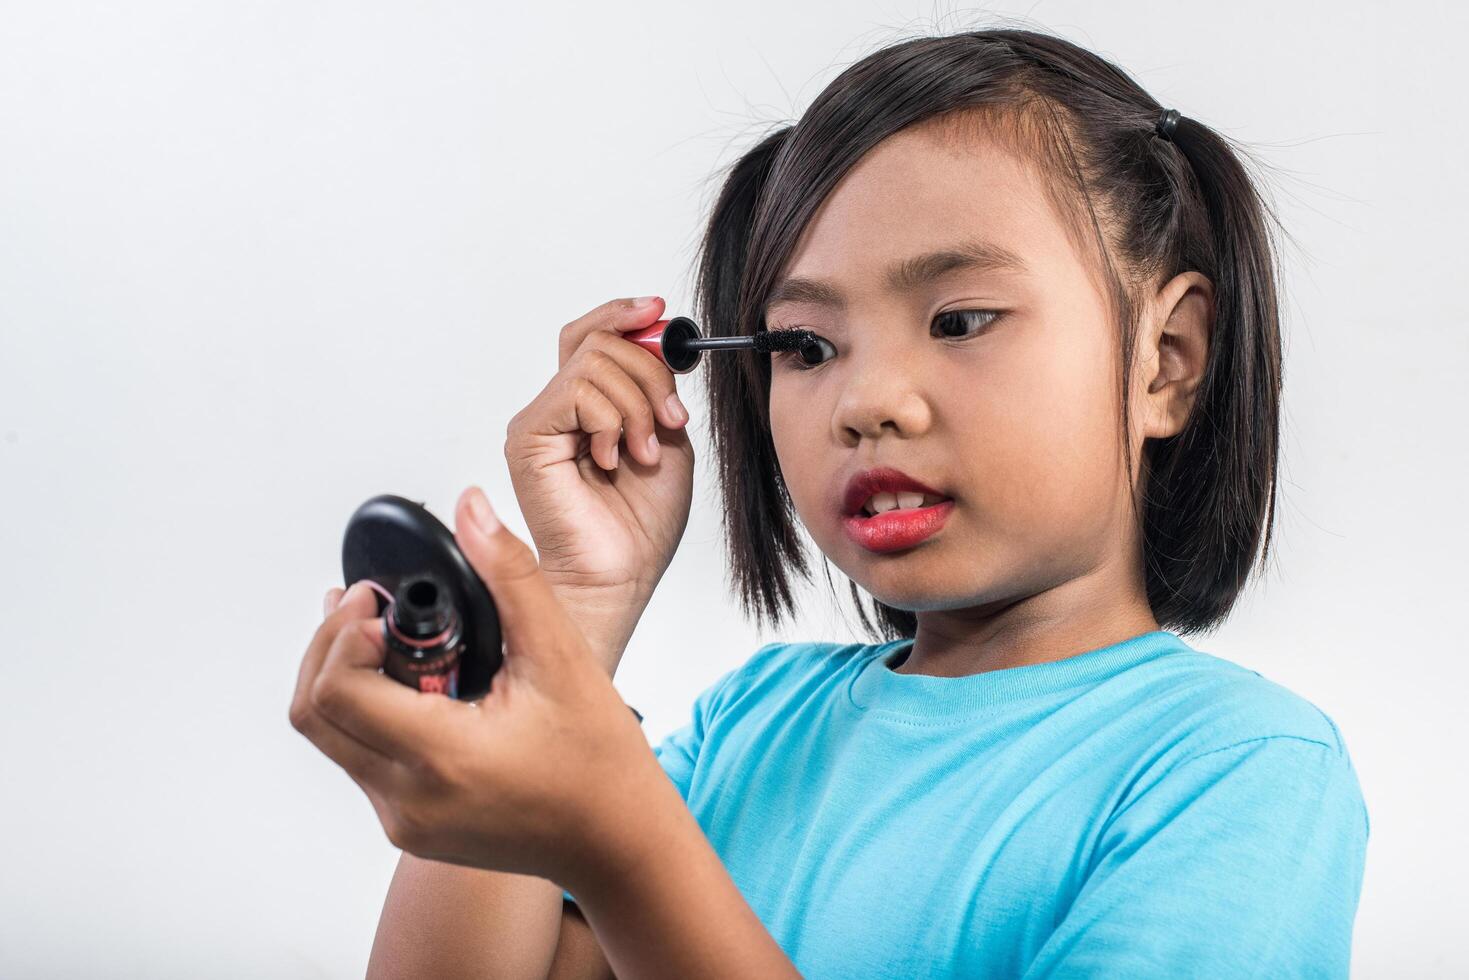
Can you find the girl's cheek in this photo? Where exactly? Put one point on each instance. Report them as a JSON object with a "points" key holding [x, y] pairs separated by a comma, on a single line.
{"points": [[1032, 424], [798, 430], [1066, 439], [780, 426]]}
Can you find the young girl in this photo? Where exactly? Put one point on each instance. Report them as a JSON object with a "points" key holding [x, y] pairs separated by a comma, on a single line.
{"points": [[1039, 429]]}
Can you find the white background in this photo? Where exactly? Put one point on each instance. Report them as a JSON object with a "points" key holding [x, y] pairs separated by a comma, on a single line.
{"points": [[248, 249]]}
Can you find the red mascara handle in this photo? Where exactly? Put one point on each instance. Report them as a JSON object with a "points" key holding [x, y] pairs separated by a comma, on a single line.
{"points": [[666, 340]]}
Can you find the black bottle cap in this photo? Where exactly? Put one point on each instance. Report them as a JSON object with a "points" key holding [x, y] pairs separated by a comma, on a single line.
{"points": [[422, 607]]}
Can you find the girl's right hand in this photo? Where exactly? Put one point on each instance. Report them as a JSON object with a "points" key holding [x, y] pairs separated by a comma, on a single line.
{"points": [[605, 520]]}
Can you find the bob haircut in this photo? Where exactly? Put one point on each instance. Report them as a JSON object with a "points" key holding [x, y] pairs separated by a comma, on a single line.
{"points": [[1142, 207]]}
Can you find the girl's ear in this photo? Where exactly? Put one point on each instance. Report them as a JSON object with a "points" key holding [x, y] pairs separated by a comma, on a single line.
{"points": [[1174, 351]]}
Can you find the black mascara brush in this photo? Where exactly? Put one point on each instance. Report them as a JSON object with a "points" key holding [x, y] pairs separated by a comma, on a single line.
{"points": [[678, 343]]}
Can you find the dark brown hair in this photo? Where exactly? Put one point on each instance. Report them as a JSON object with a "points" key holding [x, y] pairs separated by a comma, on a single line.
{"points": [[1145, 207]]}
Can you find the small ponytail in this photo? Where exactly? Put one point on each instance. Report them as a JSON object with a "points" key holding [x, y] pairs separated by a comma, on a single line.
{"points": [[1210, 496], [759, 518]]}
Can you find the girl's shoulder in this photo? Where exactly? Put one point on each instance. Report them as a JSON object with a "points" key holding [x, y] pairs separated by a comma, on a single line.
{"points": [[1209, 712], [1229, 703], [785, 670], [784, 656]]}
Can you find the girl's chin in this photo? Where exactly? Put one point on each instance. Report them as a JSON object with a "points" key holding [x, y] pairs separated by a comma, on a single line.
{"points": [[915, 585], [903, 590], [928, 602]]}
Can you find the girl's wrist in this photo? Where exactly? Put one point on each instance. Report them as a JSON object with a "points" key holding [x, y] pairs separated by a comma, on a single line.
{"points": [[605, 615], [641, 819], [662, 902]]}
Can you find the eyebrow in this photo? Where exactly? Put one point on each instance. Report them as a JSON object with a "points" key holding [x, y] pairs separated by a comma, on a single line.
{"points": [[905, 275]]}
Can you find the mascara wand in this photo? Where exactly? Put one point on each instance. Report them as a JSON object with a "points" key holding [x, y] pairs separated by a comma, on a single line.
{"points": [[679, 344]]}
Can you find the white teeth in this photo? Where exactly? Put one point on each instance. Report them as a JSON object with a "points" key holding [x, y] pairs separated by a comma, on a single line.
{"points": [[880, 502]]}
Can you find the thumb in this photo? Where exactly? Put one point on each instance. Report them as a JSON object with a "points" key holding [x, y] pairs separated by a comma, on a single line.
{"points": [[535, 625]]}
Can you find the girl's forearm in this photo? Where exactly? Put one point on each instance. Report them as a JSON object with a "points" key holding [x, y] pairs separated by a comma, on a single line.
{"points": [[448, 921], [664, 905]]}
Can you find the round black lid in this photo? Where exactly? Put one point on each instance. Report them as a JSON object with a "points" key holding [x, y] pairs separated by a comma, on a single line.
{"points": [[390, 539]]}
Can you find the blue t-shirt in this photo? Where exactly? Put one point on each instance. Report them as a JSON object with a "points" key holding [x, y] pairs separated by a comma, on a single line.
{"points": [[1139, 810]]}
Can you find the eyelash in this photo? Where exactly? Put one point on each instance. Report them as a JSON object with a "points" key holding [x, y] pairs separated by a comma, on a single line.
{"points": [[801, 364]]}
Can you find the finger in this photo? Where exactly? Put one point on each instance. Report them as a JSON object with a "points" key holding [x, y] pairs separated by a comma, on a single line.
{"points": [[593, 413], [367, 766], [582, 407], [380, 778], [649, 373], [361, 762], [633, 410], [615, 315], [352, 605], [573, 403], [529, 611], [390, 717], [359, 601]]}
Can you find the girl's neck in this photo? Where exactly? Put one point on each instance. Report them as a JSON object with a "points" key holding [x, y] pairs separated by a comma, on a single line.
{"points": [[1060, 622]]}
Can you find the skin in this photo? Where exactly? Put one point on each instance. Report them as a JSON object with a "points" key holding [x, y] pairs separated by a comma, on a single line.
{"points": [[1041, 556]]}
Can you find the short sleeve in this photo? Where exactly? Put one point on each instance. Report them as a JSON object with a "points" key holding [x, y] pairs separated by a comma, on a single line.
{"points": [[1245, 861], [678, 752]]}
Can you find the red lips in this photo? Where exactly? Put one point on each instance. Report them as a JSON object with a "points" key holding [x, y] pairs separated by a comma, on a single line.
{"points": [[893, 530], [883, 479]]}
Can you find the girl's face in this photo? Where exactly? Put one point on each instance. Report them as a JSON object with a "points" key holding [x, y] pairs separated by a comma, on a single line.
{"points": [[986, 374]]}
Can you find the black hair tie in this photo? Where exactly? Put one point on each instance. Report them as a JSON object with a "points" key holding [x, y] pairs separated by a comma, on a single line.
{"points": [[1167, 123]]}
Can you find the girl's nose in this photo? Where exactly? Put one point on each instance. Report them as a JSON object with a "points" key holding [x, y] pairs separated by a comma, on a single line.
{"points": [[880, 397]]}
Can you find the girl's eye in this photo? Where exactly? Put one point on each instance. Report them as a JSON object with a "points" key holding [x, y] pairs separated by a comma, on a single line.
{"points": [[957, 324], [817, 352]]}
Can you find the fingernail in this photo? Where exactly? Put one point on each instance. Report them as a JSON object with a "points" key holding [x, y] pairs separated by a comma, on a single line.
{"points": [[644, 301], [479, 509], [327, 605], [614, 458], [676, 409], [653, 446]]}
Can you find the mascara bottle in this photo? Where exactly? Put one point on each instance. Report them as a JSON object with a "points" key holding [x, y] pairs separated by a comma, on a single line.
{"points": [[424, 636]]}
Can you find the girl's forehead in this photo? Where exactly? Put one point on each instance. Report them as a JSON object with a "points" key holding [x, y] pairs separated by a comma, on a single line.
{"points": [[916, 192]]}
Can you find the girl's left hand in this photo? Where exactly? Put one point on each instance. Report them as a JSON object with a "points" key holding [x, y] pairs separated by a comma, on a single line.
{"points": [[539, 777]]}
